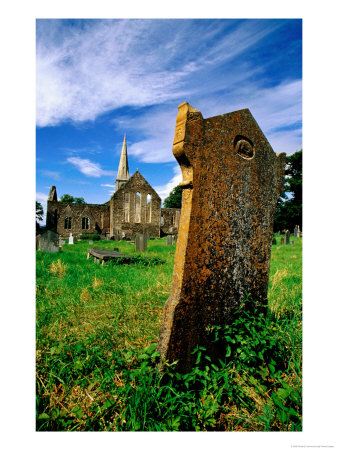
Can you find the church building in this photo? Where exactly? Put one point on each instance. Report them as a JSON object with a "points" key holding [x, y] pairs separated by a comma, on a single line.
{"points": [[135, 207]]}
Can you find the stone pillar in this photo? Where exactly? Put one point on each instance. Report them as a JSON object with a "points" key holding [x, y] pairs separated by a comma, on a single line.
{"points": [[231, 183]]}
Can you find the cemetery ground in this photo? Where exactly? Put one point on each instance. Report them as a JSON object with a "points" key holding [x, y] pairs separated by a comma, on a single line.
{"points": [[96, 359]]}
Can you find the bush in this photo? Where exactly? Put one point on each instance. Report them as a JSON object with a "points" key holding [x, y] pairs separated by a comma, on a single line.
{"points": [[93, 237]]}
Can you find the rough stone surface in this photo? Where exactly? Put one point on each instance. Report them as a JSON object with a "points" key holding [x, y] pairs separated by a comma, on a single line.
{"points": [[57, 212], [231, 182], [170, 220], [169, 239], [130, 213], [49, 242], [140, 243]]}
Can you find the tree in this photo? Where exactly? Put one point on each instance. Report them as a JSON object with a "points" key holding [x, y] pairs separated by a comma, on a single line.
{"points": [[290, 203], [174, 200], [66, 198], [38, 211]]}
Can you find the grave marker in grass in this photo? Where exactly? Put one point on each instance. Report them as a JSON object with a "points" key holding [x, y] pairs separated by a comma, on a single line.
{"points": [[231, 183]]}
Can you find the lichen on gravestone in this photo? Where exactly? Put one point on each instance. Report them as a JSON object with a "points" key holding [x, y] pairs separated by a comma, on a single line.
{"points": [[231, 180]]}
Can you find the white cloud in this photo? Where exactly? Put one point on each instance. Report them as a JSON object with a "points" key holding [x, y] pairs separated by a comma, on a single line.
{"points": [[164, 190], [42, 198], [85, 71], [51, 174], [89, 168]]}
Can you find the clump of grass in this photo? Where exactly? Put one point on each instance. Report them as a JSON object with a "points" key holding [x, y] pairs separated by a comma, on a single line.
{"points": [[58, 268]]}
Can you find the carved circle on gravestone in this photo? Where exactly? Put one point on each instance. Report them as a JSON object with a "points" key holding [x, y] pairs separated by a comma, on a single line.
{"points": [[244, 147]]}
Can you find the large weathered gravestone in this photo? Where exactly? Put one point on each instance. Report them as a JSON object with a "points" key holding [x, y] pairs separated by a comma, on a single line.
{"points": [[287, 237], [140, 242], [169, 239], [231, 182], [49, 242], [71, 239]]}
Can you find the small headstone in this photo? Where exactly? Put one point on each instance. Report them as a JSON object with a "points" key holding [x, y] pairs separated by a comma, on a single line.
{"points": [[71, 239], [169, 239], [147, 236], [140, 242], [278, 233], [287, 237], [274, 242], [282, 241], [37, 241], [292, 242], [90, 242], [63, 242], [49, 242]]}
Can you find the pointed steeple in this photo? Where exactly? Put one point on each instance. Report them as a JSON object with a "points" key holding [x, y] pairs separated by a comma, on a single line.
{"points": [[123, 170]]}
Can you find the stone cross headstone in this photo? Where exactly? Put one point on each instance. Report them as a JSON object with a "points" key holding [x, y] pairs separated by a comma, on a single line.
{"points": [[91, 242], [140, 242], [231, 183], [49, 242], [71, 239], [287, 237], [169, 239]]}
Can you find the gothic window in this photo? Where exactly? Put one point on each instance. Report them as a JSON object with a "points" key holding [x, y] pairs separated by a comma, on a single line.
{"points": [[148, 209], [137, 207], [85, 223], [68, 223]]}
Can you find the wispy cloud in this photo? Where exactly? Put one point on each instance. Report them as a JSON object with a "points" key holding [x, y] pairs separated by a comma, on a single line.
{"points": [[164, 190], [89, 168], [51, 174], [85, 71]]}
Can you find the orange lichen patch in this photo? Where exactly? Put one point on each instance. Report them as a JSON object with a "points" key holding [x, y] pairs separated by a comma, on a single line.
{"points": [[231, 182]]}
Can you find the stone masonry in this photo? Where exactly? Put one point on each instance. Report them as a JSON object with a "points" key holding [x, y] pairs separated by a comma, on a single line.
{"points": [[231, 182], [135, 208]]}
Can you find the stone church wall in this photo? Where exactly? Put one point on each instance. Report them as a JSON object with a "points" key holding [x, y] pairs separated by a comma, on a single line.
{"points": [[170, 219], [131, 213], [85, 219]]}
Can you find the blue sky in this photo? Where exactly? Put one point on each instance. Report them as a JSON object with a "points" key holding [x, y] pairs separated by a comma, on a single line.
{"points": [[100, 79]]}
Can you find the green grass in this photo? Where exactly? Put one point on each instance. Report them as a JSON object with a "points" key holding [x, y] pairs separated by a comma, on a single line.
{"points": [[96, 334]]}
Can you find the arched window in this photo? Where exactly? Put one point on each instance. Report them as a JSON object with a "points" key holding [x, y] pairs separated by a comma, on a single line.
{"points": [[68, 223], [148, 209], [126, 207], [85, 223], [137, 207]]}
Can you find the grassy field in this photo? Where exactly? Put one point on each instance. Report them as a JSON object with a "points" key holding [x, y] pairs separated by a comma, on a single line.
{"points": [[96, 333]]}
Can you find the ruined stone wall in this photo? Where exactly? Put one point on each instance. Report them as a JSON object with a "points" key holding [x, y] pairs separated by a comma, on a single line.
{"points": [[98, 216], [130, 213], [170, 220]]}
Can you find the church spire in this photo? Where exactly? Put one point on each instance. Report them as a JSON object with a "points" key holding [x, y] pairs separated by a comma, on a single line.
{"points": [[123, 170]]}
